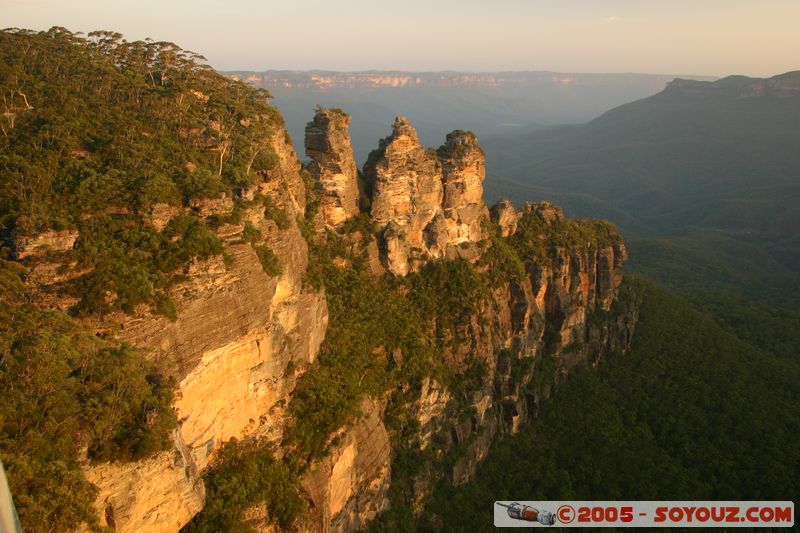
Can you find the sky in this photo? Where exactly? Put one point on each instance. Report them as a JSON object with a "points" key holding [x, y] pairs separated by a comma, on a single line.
{"points": [[699, 37]]}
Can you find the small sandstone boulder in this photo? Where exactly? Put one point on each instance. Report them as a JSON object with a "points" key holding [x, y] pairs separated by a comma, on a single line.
{"points": [[505, 216]]}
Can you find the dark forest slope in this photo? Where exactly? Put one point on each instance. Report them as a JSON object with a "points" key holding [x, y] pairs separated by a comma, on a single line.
{"points": [[691, 413]]}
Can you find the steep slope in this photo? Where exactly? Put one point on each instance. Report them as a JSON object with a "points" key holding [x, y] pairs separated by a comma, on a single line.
{"points": [[179, 198], [187, 308], [710, 154]]}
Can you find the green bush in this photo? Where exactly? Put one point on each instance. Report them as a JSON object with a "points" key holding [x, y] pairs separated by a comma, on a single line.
{"points": [[132, 264], [361, 223], [269, 261], [369, 319], [250, 233], [275, 213], [245, 475], [159, 190], [106, 130]]}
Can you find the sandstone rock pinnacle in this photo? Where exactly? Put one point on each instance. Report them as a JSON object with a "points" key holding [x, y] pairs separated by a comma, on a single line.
{"points": [[464, 169], [327, 143]]}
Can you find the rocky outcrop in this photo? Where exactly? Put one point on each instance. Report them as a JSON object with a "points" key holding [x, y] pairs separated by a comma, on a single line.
{"points": [[35, 244], [404, 183], [327, 143], [158, 494], [547, 211], [241, 340], [208, 207], [243, 337], [425, 204], [505, 216], [348, 488], [159, 215], [566, 311], [463, 171]]}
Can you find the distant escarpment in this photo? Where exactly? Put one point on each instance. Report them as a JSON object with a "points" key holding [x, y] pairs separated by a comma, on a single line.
{"points": [[243, 341]]}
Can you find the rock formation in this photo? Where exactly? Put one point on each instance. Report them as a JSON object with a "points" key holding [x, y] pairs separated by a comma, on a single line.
{"points": [[32, 244], [463, 171], [328, 145], [349, 487], [243, 338], [553, 313], [426, 204]]}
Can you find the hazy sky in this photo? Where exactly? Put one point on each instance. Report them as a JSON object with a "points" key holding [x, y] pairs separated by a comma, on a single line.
{"points": [[714, 37]]}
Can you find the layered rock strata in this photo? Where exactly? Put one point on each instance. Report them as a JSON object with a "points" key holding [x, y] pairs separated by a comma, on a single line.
{"points": [[530, 334], [241, 340]]}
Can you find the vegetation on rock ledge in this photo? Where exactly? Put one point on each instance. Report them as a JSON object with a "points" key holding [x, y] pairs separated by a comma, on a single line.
{"points": [[247, 478], [65, 391]]}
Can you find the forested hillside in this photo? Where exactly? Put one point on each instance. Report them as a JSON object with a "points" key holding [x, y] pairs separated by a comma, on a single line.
{"points": [[702, 177], [96, 131], [282, 367], [693, 412], [195, 333]]}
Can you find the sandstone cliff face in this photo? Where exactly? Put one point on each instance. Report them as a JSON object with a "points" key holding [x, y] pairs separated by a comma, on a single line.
{"points": [[327, 143], [241, 340], [37, 244], [349, 487], [531, 333], [463, 172], [426, 205], [159, 494]]}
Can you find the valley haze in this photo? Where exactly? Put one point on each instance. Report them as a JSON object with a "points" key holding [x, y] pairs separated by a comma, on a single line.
{"points": [[488, 103]]}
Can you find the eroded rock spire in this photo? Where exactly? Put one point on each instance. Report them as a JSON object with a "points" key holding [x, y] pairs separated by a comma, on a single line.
{"points": [[426, 204], [328, 145]]}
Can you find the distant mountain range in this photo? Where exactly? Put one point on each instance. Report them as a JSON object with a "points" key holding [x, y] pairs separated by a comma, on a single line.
{"points": [[436, 102], [715, 165], [723, 155]]}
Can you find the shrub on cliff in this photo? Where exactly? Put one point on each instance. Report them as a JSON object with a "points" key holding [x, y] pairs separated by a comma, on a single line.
{"points": [[245, 477], [270, 262], [380, 333], [132, 264]]}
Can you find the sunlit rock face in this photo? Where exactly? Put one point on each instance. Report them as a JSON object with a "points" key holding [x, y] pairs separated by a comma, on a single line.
{"points": [[328, 145], [241, 340], [242, 337], [349, 487], [505, 217], [426, 204], [463, 171]]}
